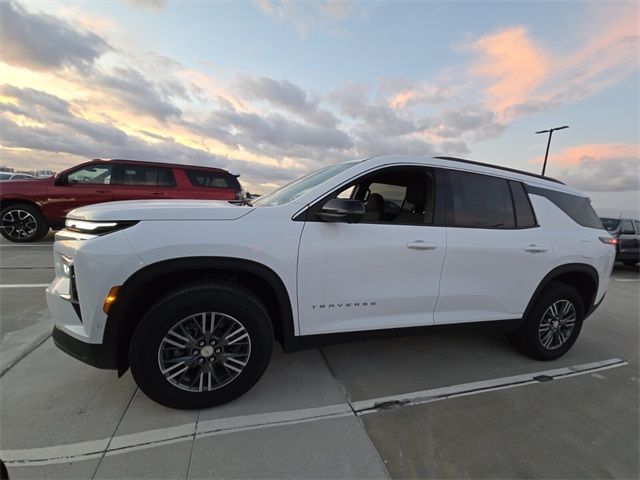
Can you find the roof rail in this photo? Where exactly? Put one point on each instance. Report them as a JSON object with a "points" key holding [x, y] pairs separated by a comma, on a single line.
{"points": [[507, 169]]}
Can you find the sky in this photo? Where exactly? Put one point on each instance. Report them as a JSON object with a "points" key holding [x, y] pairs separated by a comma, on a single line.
{"points": [[272, 89]]}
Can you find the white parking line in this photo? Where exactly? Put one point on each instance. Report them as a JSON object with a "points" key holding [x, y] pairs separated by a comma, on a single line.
{"points": [[49, 245], [627, 279], [25, 285], [164, 436]]}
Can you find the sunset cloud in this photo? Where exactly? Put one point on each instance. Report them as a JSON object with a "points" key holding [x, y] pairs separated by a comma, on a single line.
{"points": [[610, 167], [514, 64]]}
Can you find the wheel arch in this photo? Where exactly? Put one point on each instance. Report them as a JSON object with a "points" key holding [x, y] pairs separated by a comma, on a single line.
{"points": [[581, 276], [145, 287]]}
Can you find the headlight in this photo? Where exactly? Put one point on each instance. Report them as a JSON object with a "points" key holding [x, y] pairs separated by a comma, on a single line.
{"points": [[66, 265], [96, 228]]}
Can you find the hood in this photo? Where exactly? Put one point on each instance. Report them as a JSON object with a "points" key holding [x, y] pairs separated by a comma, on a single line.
{"points": [[19, 185], [138, 210]]}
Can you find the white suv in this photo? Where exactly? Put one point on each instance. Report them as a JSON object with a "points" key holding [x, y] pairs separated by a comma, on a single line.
{"points": [[191, 294]]}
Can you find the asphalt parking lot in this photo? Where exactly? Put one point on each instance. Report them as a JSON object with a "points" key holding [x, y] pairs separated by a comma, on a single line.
{"points": [[453, 403]]}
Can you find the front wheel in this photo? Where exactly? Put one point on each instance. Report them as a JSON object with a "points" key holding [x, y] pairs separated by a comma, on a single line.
{"points": [[201, 346], [553, 325], [23, 223]]}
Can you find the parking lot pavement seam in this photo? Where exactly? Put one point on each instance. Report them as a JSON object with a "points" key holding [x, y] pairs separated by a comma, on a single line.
{"points": [[364, 407], [95, 472], [22, 354], [193, 443], [345, 392], [154, 438]]}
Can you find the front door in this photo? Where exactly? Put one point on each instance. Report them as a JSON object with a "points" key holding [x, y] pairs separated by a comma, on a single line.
{"points": [[84, 186], [380, 273]]}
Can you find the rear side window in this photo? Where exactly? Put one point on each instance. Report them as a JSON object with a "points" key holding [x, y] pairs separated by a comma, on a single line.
{"points": [[479, 201], [525, 217], [142, 175], [202, 178], [578, 208]]}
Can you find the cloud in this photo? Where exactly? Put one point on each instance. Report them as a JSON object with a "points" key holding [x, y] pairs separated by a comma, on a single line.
{"points": [[43, 42], [305, 17], [377, 115], [519, 76], [272, 134], [512, 61], [148, 4], [286, 95], [47, 125], [135, 92], [609, 167], [475, 121]]}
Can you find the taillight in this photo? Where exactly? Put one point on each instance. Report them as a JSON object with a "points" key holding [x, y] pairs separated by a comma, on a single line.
{"points": [[609, 240]]}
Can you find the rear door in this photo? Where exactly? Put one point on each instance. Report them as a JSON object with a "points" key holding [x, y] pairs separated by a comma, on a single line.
{"points": [[139, 182], [496, 253]]}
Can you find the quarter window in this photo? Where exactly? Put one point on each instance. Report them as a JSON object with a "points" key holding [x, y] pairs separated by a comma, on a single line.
{"points": [[201, 178], [479, 201], [578, 208]]}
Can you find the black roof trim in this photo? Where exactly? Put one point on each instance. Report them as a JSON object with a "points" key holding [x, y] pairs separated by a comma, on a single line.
{"points": [[507, 169]]}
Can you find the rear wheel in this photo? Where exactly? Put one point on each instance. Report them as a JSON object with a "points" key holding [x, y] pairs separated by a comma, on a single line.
{"points": [[630, 263], [553, 325], [23, 223], [201, 346]]}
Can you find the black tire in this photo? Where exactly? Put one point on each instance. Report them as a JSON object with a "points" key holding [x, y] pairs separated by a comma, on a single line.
{"points": [[630, 263], [528, 339], [228, 300], [18, 232]]}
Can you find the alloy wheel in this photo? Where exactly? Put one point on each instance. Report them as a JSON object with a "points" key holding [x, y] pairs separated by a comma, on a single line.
{"points": [[204, 352], [19, 224], [557, 324]]}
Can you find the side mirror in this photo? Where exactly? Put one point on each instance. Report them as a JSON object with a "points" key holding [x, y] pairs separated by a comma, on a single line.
{"points": [[342, 210], [59, 179]]}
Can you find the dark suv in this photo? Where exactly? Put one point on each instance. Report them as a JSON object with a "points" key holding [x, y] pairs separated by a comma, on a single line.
{"points": [[627, 232], [30, 207]]}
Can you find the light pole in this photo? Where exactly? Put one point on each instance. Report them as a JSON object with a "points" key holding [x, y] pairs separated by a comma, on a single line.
{"points": [[546, 155]]}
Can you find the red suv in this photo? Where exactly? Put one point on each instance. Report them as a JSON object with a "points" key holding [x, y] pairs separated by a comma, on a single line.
{"points": [[30, 207]]}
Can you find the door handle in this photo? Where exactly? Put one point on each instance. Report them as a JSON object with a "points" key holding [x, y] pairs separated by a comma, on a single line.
{"points": [[533, 248], [103, 190], [157, 193], [422, 245]]}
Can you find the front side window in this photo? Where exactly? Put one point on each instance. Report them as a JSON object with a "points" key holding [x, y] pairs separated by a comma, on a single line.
{"points": [[479, 201], [299, 187], [398, 195], [141, 175], [610, 224], [627, 228], [100, 174]]}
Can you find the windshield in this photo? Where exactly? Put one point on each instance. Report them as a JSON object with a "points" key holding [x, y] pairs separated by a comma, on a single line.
{"points": [[610, 224], [299, 187]]}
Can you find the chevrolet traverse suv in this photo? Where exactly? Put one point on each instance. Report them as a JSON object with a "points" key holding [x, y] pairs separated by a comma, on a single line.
{"points": [[191, 295], [30, 207]]}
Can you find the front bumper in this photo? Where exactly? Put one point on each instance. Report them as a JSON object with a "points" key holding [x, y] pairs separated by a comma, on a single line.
{"points": [[94, 354]]}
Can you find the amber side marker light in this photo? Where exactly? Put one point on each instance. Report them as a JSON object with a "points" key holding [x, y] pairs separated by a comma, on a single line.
{"points": [[111, 297], [609, 240]]}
